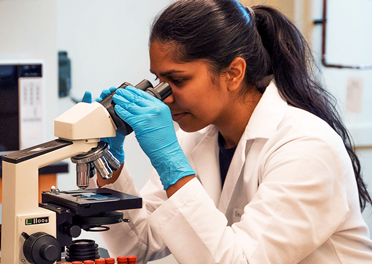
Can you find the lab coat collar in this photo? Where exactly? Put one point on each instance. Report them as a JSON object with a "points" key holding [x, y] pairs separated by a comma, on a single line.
{"points": [[267, 115]]}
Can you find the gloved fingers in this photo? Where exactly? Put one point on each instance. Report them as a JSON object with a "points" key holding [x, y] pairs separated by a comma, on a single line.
{"points": [[125, 115], [138, 97], [137, 121], [142, 93], [135, 106], [128, 96], [87, 98], [116, 146], [106, 93]]}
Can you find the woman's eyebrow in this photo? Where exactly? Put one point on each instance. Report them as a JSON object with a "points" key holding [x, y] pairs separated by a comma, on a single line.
{"points": [[167, 72]]}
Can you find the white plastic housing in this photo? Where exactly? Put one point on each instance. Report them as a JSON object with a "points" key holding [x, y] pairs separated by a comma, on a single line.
{"points": [[84, 121]]}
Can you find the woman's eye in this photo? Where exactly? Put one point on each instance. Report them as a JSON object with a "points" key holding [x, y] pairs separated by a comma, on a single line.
{"points": [[177, 81]]}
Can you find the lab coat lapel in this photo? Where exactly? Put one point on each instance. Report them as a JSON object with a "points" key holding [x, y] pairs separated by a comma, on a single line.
{"points": [[206, 164], [233, 175], [262, 124]]}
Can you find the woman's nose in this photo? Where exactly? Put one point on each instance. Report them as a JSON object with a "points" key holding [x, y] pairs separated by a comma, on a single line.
{"points": [[169, 99]]}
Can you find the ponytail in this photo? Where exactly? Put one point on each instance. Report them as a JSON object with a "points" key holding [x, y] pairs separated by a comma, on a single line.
{"points": [[292, 65]]}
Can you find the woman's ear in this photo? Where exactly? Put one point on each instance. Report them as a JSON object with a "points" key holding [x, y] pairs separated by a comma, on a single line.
{"points": [[236, 73]]}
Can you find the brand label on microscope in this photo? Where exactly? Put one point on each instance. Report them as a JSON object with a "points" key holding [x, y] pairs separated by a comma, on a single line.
{"points": [[36, 221]]}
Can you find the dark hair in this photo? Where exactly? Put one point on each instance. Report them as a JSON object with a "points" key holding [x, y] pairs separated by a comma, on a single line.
{"points": [[221, 30]]}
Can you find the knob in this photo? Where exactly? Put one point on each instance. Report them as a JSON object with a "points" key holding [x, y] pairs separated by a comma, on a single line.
{"points": [[41, 248], [72, 230], [49, 252]]}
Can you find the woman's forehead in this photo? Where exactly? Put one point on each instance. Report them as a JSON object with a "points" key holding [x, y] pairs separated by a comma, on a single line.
{"points": [[164, 57], [167, 51]]}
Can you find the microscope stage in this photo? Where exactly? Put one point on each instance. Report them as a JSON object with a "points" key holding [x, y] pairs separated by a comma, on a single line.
{"points": [[92, 201]]}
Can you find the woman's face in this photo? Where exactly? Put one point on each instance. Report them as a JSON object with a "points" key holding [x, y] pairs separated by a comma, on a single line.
{"points": [[196, 100]]}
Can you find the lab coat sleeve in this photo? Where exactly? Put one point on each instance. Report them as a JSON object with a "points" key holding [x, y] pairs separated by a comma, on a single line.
{"points": [[194, 230], [136, 238], [300, 203]]}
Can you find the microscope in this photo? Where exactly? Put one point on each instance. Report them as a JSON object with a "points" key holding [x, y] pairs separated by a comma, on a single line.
{"points": [[38, 233]]}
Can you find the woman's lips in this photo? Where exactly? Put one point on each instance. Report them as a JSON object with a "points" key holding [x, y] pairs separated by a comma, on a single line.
{"points": [[177, 117]]}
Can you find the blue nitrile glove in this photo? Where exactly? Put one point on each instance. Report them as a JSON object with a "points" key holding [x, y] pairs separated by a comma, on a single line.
{"points": [[152, 123], [116, 143], [87, 98]]}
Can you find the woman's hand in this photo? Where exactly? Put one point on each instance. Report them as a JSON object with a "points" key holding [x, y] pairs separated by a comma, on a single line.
{"points": [[152, 123]]}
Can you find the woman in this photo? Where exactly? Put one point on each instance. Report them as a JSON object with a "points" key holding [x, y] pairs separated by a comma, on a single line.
{"points": [[263, 170]]}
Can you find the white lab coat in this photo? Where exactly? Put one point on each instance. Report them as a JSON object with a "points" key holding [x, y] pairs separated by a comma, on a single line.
{"points": [[290, 196]]}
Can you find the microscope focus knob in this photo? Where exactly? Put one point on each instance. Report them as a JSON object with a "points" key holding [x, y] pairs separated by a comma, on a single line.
{"points": [[41, 248], [72, 230]]}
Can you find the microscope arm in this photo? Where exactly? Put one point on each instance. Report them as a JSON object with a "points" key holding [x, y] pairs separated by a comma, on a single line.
{"points": [[20, 191]]}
